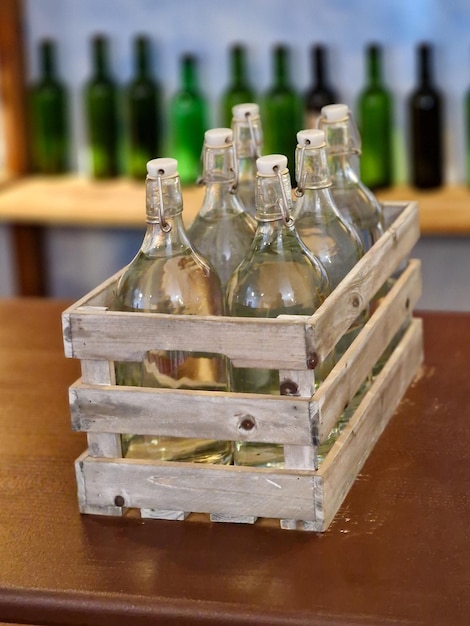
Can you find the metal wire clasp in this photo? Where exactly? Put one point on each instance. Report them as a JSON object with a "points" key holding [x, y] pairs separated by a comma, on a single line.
{"points": [[300, 189], [256, 152], [164, 225], [283, 202]]}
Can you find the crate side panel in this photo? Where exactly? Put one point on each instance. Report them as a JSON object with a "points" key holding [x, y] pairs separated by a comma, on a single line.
{"points": [[350, 451], [355, 291], [185, 413], [357, 362], [199, 488]]}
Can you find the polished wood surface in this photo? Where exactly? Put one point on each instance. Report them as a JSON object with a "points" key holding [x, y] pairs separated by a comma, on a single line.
{"points": [[78, 201], [398, 551]]}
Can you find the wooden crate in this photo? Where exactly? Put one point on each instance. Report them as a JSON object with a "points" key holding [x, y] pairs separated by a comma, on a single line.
{"points": [[300, 495]]}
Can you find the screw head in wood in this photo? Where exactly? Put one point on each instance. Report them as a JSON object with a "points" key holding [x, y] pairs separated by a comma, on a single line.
{"points": [[247, 423], [119, 501], [289, 388]]}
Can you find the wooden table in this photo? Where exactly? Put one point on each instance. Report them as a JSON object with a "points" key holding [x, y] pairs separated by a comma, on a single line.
{"points": [[398, 552]]}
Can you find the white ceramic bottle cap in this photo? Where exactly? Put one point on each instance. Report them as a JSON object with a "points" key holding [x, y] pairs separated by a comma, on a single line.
{"points": [[218, 137], [239, 111], [164, 167], [267, 165], [311, 137], [335, 112]]}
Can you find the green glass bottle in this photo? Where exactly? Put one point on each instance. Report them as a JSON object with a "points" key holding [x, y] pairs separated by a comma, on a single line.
{"points": [[188, 121], [248, 139], [375, 121], [279, 276], [222, 230], [320, 93], [282, 110], [426, 110], [49, 124], [169, 276], [143, 112], [101, 113], [239, 89]]}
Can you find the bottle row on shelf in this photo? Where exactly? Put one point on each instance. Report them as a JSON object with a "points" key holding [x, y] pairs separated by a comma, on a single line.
{"points": [[127, 126], [255, 249]]}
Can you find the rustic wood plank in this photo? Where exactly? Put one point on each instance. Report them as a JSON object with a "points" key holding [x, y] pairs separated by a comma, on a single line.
{"points": [[345, 460], [188, 413], [349, 373], [83, 505], [222, 490]]}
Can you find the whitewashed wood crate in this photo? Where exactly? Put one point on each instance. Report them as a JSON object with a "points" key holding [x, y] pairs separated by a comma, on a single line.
{"points": [[299, 495]]}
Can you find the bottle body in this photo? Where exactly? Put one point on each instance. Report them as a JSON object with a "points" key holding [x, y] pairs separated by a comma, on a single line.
{"points": [[222, 230], [188, 122], [101, 112], [282, 110], [48, 104], [169, 276], [278, 276], [143, 113], [375, 109], [239, 89], [425, 119], [320, 93]]}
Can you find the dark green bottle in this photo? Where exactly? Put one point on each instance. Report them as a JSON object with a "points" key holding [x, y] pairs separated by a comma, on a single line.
{"points": [[375, 120], [239, 90], [143, 113], [188, 122], [282, 109], [49, 124], [320, 93], [101, 112], [426, 118]]}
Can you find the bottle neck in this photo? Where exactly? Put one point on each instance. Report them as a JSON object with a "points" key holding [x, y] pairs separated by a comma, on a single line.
{"points": [[312, 171], [238, 66], [318, 66], [189, 80], [374, 66], [281, 69], [164, 200], [248, 138], [142, 65], [220, 178], [47, 60], [424, 66], [100, 58], [274, 199]]}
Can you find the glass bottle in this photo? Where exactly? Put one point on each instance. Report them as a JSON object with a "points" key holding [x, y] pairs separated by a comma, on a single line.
{"points": [[143, 112], [375, 111], [354, 200], [188, 122], [320, 93], [248, 140], [169, 276], [279, 276], [425, 107], [282, 110], [49, 124], [222, 230], [101, 112], [239, 89]]}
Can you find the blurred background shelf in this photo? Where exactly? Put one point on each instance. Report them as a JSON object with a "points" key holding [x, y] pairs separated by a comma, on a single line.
{"points": [[120, 203]]}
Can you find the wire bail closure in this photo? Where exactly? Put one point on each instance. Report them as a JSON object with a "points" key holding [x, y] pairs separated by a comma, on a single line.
{"points": [[164, 225], [254, 145], [283, 202], [300, 189]]}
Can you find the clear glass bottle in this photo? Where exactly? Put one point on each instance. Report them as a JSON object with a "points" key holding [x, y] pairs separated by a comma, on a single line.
{"points": [[248, 140], [222, 230], [49, 124], [282, 109], [279, 276], [188, 113], [101, 113], [169, 276], [355, 201], [143, 112], [239, 89], [375, 119], [425, 107], [320, 93]]}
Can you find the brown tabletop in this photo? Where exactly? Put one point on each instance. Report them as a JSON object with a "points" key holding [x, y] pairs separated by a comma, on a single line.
{"points": [[398, 551]]}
